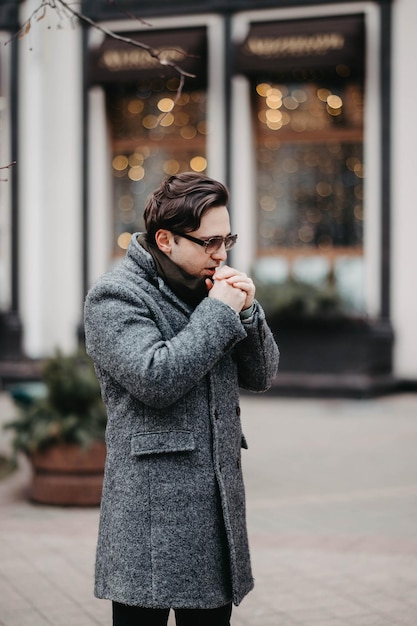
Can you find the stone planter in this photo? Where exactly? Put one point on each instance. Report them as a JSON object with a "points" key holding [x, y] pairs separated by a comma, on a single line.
{"points": [[68, 475], [334, 357]]}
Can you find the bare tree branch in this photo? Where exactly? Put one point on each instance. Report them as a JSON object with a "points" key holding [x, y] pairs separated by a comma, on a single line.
{"points": [[63, 8], [6, 167]]}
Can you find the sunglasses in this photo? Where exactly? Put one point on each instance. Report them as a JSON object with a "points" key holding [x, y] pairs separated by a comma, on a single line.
{"points": [[212, 244]]}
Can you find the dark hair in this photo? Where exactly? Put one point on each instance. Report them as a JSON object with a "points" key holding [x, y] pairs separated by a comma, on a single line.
{"points": [[181, 201]]}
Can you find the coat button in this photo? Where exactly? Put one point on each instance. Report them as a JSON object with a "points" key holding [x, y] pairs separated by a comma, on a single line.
{"points": [[216, 414], [238, 411], [238, 464]]}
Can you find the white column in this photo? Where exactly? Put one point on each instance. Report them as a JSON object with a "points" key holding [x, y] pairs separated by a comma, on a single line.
{"points": [[243, 177], [372, 161], [100, 218], [5, 174], [404, 212], [50, 179], [216, 100]]}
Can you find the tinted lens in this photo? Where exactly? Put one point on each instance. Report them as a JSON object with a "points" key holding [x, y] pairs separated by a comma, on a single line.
{"points": [[230, 241], [214, 243]]}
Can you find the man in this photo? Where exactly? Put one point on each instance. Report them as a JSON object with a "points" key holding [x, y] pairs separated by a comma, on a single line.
{"points": [[173, 335]]}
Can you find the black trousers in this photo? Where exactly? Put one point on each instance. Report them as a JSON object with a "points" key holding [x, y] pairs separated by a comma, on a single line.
{"points": [[124, 615]]}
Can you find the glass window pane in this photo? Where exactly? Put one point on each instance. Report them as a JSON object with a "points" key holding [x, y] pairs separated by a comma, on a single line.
{"points": [[152, 134], [311, 177]]}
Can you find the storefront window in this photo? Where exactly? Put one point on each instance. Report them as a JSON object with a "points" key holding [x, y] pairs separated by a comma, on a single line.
{"points": [[307, 81], [151, 135], [157, 123]]}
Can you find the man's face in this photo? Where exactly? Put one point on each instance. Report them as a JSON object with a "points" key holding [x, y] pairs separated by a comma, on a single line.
{"points": [[193, 258]]}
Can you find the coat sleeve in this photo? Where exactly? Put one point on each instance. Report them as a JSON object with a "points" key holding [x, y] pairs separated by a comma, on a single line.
{"points": [[258, 354], [127, 339]]}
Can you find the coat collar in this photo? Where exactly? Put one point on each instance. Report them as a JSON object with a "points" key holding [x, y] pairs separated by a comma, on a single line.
{"points": [[144, 263]]}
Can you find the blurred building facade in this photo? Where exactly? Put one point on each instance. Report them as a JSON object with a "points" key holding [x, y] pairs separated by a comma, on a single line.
{"points": [[303, 108]]}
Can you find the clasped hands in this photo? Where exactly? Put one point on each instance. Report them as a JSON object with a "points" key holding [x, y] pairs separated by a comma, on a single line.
{"points": [[232, 287]]}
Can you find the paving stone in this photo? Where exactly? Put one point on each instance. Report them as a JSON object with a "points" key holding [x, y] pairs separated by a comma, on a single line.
{"points": [[332, 509]]}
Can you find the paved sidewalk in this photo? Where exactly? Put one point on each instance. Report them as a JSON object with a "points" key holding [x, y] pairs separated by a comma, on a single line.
{"points": [[332, 508]]}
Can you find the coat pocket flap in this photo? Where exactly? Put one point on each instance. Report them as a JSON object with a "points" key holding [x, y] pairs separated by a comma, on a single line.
{"points": [[162, 442]]}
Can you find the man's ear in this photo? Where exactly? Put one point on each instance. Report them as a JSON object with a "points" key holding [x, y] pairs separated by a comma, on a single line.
{"points": [[163, 239]]}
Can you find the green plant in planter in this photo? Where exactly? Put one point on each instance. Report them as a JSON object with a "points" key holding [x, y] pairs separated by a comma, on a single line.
{"points": [[296, 300], [71, 410]]}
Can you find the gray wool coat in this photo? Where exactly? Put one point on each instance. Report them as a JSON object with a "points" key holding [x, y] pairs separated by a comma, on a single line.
{"points": [[172, 524]]}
